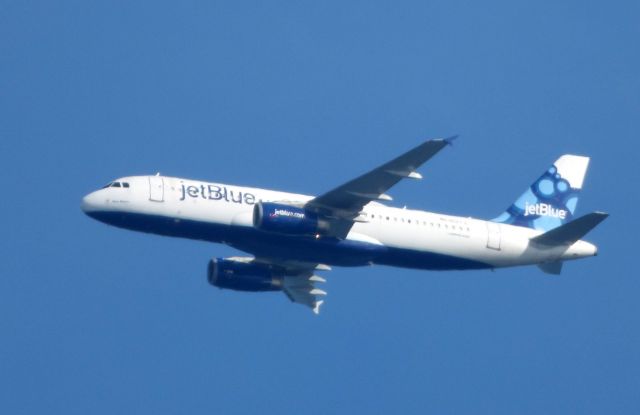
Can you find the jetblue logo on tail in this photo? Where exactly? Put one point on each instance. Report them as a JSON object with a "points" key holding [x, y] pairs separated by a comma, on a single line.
{"points": [[551, 200], [543, 209]]}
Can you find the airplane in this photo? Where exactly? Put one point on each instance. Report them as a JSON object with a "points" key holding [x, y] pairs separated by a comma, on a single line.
{"points": [[292, 236]]}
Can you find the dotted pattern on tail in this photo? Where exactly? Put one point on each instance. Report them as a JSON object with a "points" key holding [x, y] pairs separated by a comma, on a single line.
{"points": [[547, 204]]}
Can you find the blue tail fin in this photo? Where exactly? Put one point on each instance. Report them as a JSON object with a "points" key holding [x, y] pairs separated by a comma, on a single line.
{"points": [[552, 199]]}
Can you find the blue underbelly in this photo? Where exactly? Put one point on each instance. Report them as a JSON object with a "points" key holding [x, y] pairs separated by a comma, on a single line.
{"points": [[329, 251]]}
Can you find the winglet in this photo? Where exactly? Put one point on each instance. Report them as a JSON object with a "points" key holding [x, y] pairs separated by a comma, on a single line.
{"points": [[316, 307], [571, 232], [450, 140]]}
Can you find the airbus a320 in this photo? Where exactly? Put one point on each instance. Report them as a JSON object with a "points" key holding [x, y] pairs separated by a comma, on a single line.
{"points": [[290, 237]]}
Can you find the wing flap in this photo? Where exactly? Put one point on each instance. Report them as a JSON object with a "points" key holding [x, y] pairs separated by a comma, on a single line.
{"points": [[301, 289], [299, 280]]}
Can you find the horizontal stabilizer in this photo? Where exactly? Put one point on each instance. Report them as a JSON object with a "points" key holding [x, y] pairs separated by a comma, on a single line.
{"points": [[571, 232], [553, 268]]}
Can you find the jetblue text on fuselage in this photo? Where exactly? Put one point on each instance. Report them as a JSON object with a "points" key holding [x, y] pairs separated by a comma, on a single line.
{"points": [[215, 192]]}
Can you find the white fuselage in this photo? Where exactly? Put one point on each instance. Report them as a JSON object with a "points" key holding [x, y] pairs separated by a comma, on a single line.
{"points": [[381, 235]]}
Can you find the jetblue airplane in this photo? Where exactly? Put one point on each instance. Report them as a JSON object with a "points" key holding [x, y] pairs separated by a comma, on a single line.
{"points": [[291, 236]]}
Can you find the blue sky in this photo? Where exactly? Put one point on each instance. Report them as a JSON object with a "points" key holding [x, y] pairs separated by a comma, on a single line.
{"points": [[302, 96]]}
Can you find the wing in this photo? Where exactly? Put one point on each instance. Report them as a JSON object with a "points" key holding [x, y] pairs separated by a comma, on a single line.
{"points": [[299, 281], [301, 289], [343, 204]]}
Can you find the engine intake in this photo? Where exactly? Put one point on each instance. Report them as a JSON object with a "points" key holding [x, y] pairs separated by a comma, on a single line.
{"points": [[242, 276], [291, 220]]}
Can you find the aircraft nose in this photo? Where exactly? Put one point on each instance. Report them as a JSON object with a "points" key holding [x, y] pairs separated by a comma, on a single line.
{"points": [[90, 203]]}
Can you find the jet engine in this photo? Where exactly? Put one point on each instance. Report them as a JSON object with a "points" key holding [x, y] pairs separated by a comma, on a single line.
{"points": [[287, 219], [242, 276]]}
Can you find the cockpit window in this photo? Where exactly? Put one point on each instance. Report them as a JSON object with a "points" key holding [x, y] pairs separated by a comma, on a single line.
{"points": [[116, 184]]}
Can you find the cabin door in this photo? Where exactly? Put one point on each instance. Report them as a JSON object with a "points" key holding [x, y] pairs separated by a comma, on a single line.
{"points": [[156, 189], [493, 236]]}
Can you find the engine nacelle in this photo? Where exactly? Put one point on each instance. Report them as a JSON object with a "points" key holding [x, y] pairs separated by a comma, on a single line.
{"points": [[291, 220], [242, 276]]}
